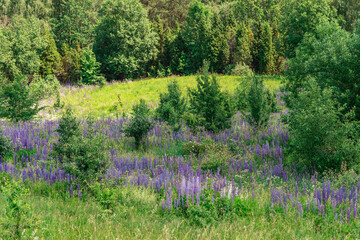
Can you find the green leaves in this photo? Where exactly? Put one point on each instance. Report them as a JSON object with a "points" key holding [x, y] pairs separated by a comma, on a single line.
{"points": [[172, 105], [17, 103], [124, 41], [140, 123], [83, 157], [319, 140], [210, 106]]}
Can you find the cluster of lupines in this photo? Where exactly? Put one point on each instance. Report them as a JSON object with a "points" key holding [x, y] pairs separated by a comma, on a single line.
{"points": [[341, 203], [32, 143]]}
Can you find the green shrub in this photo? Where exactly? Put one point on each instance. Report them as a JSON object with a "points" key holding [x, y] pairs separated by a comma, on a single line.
{"points": [[260, 102], [172, 105], [140, 123], [213, 155], [90, 69], [18, 222], [211, 107], [319, 139], [241, 69], [17, 102], [5, 147], [83, 157]]}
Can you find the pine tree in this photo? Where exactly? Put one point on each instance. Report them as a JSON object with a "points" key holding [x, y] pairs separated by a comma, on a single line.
{"points": [[50, 59], [243, 45], [197, 33], [210, 106], [219, 48], [172, 105]]}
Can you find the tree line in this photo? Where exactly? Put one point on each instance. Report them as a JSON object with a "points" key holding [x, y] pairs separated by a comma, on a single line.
{"points": [[88, 41]]}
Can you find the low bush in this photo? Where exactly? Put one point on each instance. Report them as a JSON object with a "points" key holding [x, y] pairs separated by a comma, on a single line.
{"points": [[18, 223], [242, 69], [5, 147], [17, 102], [83, 157], [209, 107], [140, 123], [172, 106]]}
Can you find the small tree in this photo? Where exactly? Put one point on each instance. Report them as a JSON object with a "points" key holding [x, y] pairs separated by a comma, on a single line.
{"points": [[172, 105], [259, 101], [83, 157], [319, 140], [140, 123], [211, 107], [17, 102], [90, 69]]}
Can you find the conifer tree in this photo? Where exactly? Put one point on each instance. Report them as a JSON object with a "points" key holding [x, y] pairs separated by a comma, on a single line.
{"points": [[50, 59], [196, 33], [243, 44], [209, 105], [219, 48]]}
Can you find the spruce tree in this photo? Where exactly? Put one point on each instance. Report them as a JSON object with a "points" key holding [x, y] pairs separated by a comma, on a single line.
{"points": [[50, 59], [172, 105], [209, 105], [196, 34], [219, 48], [243, 45]]}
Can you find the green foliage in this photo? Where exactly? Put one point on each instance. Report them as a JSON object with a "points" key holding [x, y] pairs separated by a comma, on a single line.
{"points": [[211, 107], [319, 140], [260, 102], [83, 157], [330, 55], [212, 155], [18, 222], [264, 49], [244, 43], [50, 58], [196, 34], [73, 23], [302, 17], [241, 69], [348, 12], [41, 9], [72, 64], [90, 69], [172, 105], [219, 55], [5, 147], [124, 41], [22, 43], [17, 102], [140, 123]]}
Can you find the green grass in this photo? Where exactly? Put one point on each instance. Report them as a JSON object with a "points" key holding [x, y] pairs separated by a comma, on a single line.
{"points": [[100, 102], [138, 216]]}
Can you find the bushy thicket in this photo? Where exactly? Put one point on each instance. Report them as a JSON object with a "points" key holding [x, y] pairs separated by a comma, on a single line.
{"points": [[82, 156], [331, 55], [18, 102], [321, 137], [172, 105], [5, 147]]}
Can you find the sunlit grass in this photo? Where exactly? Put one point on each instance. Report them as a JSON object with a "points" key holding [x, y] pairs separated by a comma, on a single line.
{"points": [[101, 102]]}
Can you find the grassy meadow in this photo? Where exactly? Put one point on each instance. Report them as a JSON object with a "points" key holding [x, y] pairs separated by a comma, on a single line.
{"points": [[104, 101]]}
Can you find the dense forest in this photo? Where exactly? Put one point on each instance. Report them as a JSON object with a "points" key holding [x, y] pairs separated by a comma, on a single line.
{"points": [[84, 41]]}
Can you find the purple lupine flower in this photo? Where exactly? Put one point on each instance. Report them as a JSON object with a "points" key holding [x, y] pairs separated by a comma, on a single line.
{"points": [[71, 192]]}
